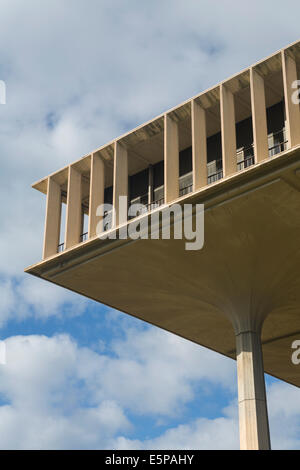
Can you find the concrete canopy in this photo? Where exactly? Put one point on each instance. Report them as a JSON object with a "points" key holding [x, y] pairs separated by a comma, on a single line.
{"points": [[249, 265]]}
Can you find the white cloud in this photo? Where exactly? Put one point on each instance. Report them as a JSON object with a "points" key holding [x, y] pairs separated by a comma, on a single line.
{"points": [[77, 77], [201, 434], [56, 394], [7, 300], [100, 70], [284, 414], [48, 407], [95, 72], [32, 297], [170, 363]]}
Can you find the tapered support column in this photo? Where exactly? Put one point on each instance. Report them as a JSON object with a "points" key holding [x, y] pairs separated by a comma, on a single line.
{"points": [[228, 131], [171, 153], [97, 186], [259, 116], [74, 208], [52, 221], [292, 108], [199, 146], [120, 183], [253, 414]]}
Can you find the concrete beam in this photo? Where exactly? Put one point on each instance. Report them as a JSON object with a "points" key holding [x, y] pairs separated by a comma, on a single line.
{"points": [[199, 146], [253, 414], [52, 220], [120, 187], [97, 186], [289, 70], [171, 159], [74, 208], [259, 116], [228, 131]]}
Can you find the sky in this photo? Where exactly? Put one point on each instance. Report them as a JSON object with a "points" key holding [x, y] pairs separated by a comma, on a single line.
{"points": [[79, 375]]}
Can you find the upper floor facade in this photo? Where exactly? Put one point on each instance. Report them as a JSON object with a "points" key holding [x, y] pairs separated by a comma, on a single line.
{"points": [[232, 127]]}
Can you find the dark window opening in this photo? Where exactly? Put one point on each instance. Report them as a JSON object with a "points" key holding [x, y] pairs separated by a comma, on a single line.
{"points": [[185, 171], [214, 158], [277, 141], [244, 144], [158, 184]]}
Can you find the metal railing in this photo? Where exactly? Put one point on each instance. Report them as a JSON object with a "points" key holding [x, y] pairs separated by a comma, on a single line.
{"points": [[155, 204], [215, 177], [148, 207], [279, 146], [141, 211], [186, 189], [108, 224], [84, 237], [248, 157], [218, 171], [60, 247], [248, 161], [143, 200]]}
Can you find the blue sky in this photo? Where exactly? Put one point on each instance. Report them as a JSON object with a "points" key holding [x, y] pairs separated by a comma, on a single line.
{"points": [[78, 374]]}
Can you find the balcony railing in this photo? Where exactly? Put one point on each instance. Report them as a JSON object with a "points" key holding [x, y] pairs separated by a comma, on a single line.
{"points": [[143, 199], [186, 189], [245, 163], [107, 226], [215, 177], [60, 247], [215, 171], [245, 157], [84, 237], [186, 183], [108, 217], [279, 142], [278, 139], [155, 204]]}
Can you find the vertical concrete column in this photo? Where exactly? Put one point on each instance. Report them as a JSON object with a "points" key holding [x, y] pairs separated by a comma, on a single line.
{"points": [[97, 187], [228, 131], [199, 146], [120, 183], [52, 220], [253, 414], [259, 116], [171, 156], [74, 208], [289, 70]]}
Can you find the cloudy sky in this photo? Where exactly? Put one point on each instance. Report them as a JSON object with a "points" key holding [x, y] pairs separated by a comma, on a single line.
{"points": [[79, 73]]}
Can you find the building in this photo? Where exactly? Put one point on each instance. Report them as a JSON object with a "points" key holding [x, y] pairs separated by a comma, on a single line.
{"points": [[236, 149]]}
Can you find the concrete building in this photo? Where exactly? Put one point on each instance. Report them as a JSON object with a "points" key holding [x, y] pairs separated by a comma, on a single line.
{"points": [[236, 149]]}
